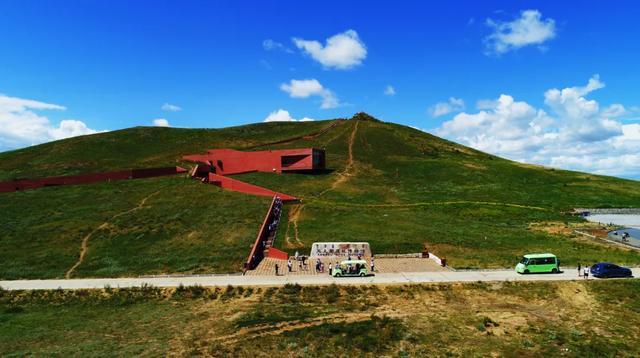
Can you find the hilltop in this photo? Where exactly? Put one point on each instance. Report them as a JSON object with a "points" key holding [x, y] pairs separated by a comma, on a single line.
{"points": [[393, 186]]}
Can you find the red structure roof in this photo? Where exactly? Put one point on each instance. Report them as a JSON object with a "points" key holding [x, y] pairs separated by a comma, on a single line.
{"points": [[229, 161], [216, 164]]}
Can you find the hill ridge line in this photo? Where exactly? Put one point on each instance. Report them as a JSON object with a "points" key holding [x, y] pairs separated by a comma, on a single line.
{"points": [[307, 136]]}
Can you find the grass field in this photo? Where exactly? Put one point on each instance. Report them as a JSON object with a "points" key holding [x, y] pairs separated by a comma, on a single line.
{"points": [[393, 186], [595, 318], [150, 226]]}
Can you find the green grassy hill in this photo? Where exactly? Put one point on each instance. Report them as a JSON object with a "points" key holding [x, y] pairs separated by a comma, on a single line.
{"points": [[393, 186]]}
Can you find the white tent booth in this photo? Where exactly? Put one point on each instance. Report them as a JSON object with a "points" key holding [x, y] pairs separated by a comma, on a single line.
{"points": [[320, 249]]}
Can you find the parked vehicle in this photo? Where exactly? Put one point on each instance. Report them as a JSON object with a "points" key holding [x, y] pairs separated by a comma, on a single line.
{"points": [[538, 263], [606, 269], [351, 268]]}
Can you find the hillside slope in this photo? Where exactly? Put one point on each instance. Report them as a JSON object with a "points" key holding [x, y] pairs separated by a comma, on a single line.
{"points": [[393, 186]]}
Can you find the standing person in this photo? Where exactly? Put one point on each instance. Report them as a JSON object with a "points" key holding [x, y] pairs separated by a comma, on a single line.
{"points": [[299, 264], [373, 265], [289, 265], [586, 273], [579, 267], [276, 269], [330, 269]]}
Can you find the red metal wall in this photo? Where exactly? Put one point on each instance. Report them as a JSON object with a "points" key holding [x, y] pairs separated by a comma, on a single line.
{"points": [[277, 254], [237, 185], [26, 184], [257, 251]]}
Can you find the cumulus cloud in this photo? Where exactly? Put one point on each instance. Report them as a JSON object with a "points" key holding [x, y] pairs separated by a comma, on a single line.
{"points": [[573, 133], [308, 88], [527, 30], [282, 115], [341, 51], [21, 126], [390, 91], [442, 108], [161, 122], [170, 107]]}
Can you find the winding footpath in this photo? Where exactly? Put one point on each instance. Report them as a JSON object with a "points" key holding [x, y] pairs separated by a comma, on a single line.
{"points": [[238, 280]]}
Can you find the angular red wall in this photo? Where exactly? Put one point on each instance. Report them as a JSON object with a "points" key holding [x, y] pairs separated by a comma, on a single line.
{"points": [[237, 185], [25, 184]]}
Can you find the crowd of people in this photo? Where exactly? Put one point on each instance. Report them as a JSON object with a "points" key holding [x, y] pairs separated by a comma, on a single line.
{"points": [[275, 217], [269, 232], [303, 265]]}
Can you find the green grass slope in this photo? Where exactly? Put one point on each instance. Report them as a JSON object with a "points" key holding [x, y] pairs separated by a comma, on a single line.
{"points": [[393, 186]]}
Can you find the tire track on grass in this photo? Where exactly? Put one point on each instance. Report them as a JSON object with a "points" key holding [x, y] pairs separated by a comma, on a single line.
{"points": [[84, 247]]}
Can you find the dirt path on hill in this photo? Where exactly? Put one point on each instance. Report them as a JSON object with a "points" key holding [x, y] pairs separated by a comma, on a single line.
{"points": [[432, 203], [349, 170], [294, 214], [308, 136], [85, 241]]}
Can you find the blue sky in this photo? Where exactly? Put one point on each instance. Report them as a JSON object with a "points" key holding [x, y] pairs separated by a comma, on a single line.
{"points": [[75, 67]]}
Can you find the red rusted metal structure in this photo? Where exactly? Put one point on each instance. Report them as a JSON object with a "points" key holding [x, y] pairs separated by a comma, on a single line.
{"points": [[25, 184], [214, 166], [264, 241], [229, 161]]}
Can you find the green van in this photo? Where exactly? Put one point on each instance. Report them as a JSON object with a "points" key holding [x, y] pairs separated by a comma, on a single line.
{"points": [[538, 263]]}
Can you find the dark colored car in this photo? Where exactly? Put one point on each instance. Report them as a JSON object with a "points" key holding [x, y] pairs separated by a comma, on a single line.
{"points": [[605, 269]]}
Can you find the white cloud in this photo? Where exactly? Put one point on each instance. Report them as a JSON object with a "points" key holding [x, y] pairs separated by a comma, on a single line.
{"points": [[582, 118], [282, 115], [528, 29], [615, 110], [161, 122], [390, 91], [442, 108], [21, 126], [311, 87], [575, 134], [271, 45], [341, 51], [70, 128], [170, 107]]}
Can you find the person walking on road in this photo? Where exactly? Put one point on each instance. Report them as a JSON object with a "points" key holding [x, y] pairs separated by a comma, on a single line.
{"points": [[330, 269], [289, 265], [373, 265], [276, 269], [579, 267], [586, 273]]}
